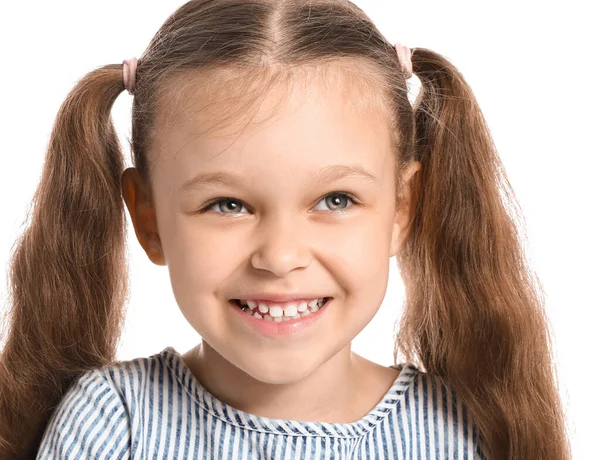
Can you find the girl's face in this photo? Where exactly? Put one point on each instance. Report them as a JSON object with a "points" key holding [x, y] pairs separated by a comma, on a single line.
{"points": [[281, 230]]}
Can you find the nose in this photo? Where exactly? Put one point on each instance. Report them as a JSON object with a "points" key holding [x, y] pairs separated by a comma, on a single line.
{"points": [[283, 246]]}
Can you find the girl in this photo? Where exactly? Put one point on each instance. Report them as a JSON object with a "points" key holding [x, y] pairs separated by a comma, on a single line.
{"points": [[278, 166]]}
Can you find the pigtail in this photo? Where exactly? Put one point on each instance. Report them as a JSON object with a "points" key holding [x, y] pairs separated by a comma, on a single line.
{"points": [[68, 274], [474, 313]]}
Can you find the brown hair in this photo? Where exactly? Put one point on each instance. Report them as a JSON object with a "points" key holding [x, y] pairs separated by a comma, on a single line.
{"points": [[474, 311]]}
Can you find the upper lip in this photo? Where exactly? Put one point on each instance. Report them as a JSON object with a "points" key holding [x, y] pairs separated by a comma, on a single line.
{"points": [[279, 297]]}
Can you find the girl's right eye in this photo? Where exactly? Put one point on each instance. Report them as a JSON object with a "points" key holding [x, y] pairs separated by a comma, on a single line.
{"points": [[221, 210]]}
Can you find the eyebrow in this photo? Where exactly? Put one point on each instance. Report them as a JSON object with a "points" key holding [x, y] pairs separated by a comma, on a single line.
{"points": [[326, 175]]}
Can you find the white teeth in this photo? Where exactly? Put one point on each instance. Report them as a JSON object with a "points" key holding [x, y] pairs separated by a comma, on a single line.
{"points": [[290, 310], [277, 313]]}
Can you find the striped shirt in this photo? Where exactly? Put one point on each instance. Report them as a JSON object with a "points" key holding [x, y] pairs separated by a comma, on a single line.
{"points": [[155, 408]]}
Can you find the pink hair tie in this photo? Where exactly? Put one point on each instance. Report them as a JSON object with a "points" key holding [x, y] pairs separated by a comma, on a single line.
{"points": [[129, 68], [404, 56]]}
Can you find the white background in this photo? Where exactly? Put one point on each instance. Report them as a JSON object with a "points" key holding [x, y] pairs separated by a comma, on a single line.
{"points": [[533, 66]]}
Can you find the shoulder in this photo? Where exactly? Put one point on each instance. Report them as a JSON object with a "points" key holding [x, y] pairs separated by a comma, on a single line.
{"points": [[104, 412], [90, 421], [435, 417]]}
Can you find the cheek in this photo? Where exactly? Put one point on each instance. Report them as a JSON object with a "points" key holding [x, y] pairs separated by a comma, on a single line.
{"points": [[362, 248], [200, 260], [363, 267]]}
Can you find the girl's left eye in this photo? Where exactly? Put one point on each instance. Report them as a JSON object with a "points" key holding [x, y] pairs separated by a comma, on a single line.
{"points": [[338, 199]]}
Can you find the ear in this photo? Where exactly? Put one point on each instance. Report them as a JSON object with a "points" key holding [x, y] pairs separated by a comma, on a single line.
{"points": [[403, 213], [143, 215]]}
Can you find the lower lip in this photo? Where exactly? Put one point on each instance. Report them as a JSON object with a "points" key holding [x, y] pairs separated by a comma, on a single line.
{"points": [[281, 329]]}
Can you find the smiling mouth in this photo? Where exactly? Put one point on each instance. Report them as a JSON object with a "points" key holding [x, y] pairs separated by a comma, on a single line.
{"points": [[278, 314]]}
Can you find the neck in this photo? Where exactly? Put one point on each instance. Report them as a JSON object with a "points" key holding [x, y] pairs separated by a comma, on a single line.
{"points": [[327, 394]]}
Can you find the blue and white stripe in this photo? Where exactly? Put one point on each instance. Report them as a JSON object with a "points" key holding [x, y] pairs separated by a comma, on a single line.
{"points": [[155, 408]]}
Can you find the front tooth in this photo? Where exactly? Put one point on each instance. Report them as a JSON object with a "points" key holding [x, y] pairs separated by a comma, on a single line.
{"points": [[290, 310], [276, 311], [302, 306]]}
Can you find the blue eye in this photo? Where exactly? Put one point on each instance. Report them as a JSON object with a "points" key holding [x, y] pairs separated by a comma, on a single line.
{"points": [[227, 202], [233, 204], [339, 198]]}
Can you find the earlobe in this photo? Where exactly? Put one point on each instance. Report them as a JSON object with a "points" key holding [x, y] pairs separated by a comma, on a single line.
{"points": [[398, 234], [156, 255]]}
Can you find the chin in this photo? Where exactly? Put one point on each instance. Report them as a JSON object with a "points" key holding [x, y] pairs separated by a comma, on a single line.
{"points": [[277, 370]]}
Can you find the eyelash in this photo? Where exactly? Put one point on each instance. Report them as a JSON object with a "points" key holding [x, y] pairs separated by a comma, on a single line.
{"points": [[205, 209]]}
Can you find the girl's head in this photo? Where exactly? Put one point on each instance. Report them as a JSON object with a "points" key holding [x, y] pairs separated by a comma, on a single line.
{"points": [[303, 159], [298, 114]]}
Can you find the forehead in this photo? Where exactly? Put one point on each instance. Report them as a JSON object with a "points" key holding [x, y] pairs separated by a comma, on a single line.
{"points": [[227, 117]]}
